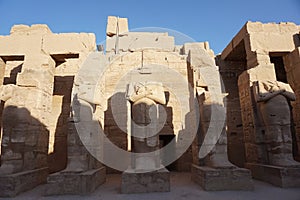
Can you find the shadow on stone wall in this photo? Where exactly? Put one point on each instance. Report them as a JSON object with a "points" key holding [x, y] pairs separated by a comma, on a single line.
{"points": [[24, 141], [57, 160]]}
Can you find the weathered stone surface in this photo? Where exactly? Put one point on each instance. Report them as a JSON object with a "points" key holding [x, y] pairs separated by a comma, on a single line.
{"points": [[214, 179], [37, 69], [39, 83], [258, 41], [29, 30], [70, 43], [13, 184], [277, 175], [133, 41], [63, 183], [141, 182], [116, 25], [256, 51]]}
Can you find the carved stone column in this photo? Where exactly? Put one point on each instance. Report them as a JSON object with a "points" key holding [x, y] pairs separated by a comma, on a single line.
{"points": [[211, 168], [266, 119], [146, 174]]}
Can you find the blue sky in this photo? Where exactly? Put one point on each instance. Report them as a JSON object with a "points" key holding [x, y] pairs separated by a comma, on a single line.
{"points": [[211, 20]]}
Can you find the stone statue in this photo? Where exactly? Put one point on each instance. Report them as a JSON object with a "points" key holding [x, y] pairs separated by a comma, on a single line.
{"points": [[145, 98], [217, 157], [273, 100]]}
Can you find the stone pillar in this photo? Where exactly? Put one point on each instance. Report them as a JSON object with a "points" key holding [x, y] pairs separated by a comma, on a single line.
{"points": [[25, 136], [267, 126], [146, 173], [212, 169], [84, 173], [292, 67]]}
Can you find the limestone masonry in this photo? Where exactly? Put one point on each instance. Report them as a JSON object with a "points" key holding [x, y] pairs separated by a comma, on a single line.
{"points": [[72, 112]]}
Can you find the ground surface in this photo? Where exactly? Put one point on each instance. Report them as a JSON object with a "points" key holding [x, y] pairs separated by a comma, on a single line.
{"points": [[181, 188]]}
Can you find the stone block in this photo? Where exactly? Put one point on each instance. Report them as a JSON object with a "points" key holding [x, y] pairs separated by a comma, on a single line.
{"points": [[30, 30], [214, 179], [63, 183], [134, 41], [87, 80], [262, 72], [270, 27], [69, 43], [286, 27], [284, 177], [192, 46], [114, 23], [19, 45], [253, 27], [123, 25], [140, 182], [265, 41], [13, 184], [200, 58], [111, 27]]}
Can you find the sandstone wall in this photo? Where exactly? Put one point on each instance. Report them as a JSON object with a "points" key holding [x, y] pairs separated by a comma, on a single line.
{"points": [[258, 44], [43, 65]]}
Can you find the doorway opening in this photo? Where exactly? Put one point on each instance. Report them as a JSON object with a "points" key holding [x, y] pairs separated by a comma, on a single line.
{"points": [[278, 62], [163, 141]]}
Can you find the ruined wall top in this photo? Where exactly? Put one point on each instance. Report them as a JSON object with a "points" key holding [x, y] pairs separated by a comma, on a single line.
{"points": [[30, 30], [282, 27], [29, 40], [120, 39], [263, 38], [116, 25]]}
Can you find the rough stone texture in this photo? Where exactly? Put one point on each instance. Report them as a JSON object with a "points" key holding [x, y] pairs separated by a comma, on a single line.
{"points": [[214, 179], [39, 83], [36, 82], [25, 136], [261, 39], [145, 96], [134, 41], [284, 177], [263, 57], [257, 142], [230, 71], [83, 173], [213, 165], [116, 25], [63, 183], [12, 185], [140, 182], [126, 63], [292, 67]]}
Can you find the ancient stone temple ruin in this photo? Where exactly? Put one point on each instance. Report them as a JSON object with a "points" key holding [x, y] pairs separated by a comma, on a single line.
{"points": [[142, 107]]}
